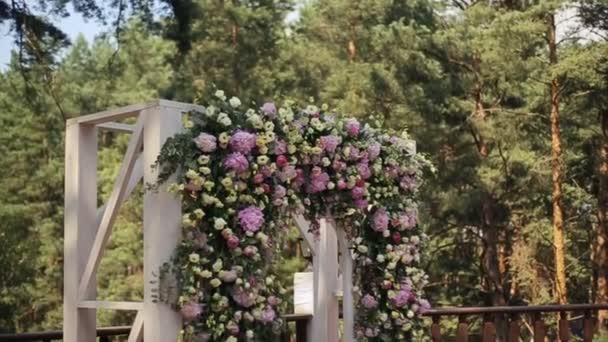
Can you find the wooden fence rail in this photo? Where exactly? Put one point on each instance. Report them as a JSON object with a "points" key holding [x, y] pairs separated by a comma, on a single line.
{"points": [[511, 321]]}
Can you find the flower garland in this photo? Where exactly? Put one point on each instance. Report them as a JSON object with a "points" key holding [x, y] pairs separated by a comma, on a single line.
{"points": [[242, 173]]}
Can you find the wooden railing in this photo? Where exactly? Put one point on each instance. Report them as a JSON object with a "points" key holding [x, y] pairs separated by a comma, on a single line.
{"points": [[514, 318], [108, 334], [574, 319]]}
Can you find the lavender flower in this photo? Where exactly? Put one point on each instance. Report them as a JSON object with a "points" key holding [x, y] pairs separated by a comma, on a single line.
{"points": [[364, 170], [318, 181], [206, 142], [352, 127], [243, 298], [408, 219], [236, 162], [373, 150], [380, 220], [357, 192], [268, 315], [369, 302], [242, 141], [329, 143], [407, 182], [251, 218], [191, 310], [280, 147], [270, 109], [401, 298]]}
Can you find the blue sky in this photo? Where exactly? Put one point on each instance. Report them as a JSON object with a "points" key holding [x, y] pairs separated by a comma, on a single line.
{"points": [[72, 25]]}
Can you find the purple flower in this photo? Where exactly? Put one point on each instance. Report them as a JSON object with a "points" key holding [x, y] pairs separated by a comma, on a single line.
{"points": [[236, 162], [298, 180], [206, 142], [250, 251], [289, 172], [242, 141], [401, 298], [270, 109], [191, 310], [355, 153], [251, 218], [380, 220], [279, 192], [273, 300], [280, 147], [242, 298], [357, 192], [329, 143], [364, 170], [369, 302], [373, 150], [352, 127], [424, 305], [361, 204], [318, 180], [408, 219], [268, 315], [407, 182]]}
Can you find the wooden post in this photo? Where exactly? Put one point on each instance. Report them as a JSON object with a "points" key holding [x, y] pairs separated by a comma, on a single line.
{"points": [[346, 265], [325, 320], [79, 228], [162, 220]]}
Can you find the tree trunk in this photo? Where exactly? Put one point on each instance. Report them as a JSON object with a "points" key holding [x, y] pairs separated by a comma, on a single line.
{"points": [[601, 247], [559, 240]]}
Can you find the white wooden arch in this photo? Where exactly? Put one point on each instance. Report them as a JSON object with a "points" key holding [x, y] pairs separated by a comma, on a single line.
{"points": [[88, 228]]}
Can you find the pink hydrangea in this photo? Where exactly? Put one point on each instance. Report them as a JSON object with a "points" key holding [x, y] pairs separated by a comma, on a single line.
{"points": [[408, 219], [364, 170], [362, 204], [250, 251], [242, 142], [251, 218], [273, 300], [270, 109], [191, 310], [329, 143], [268, 315], [373, 151], [318, 180], [357, 192], [236, 162], [289, 172], [282, 161], [280, 147], [401, 298], [380, 220], [369, 302], [407, 182], [279, 192], [352, 127], [206, 142], [243, 298]]}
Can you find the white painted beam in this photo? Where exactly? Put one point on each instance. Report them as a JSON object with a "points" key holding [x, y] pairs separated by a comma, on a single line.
{"points": [[162, 226], [116, 127], [79, 228], [111, 210], [325, 319], [346, 265], [304, 227], [113, 305], [137, 329]]}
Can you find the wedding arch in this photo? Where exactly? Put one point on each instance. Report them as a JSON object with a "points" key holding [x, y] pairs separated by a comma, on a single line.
{"points": [[225, 180]]}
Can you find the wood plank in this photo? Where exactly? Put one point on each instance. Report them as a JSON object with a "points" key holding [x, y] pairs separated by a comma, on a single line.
{"points": [[539, 328], [514, 329], [563, 327], [116, 127], [326, 308], [179, 106], [346, 265], [588, 327], [462, 332], [162, 226], [113, 305], [113, 114], [79, 225], [436, 330], [137, 330], [304, 227], [111, 210], [489, 331]]}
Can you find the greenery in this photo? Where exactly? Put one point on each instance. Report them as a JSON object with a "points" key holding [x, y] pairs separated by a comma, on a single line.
{"points": [[507, 98]]}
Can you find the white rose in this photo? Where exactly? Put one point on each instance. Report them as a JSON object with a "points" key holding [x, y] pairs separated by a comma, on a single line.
{"points": [[234, 102]]}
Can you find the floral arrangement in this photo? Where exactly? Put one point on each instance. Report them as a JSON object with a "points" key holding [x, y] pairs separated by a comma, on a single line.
{"points": [[242, 173]]}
